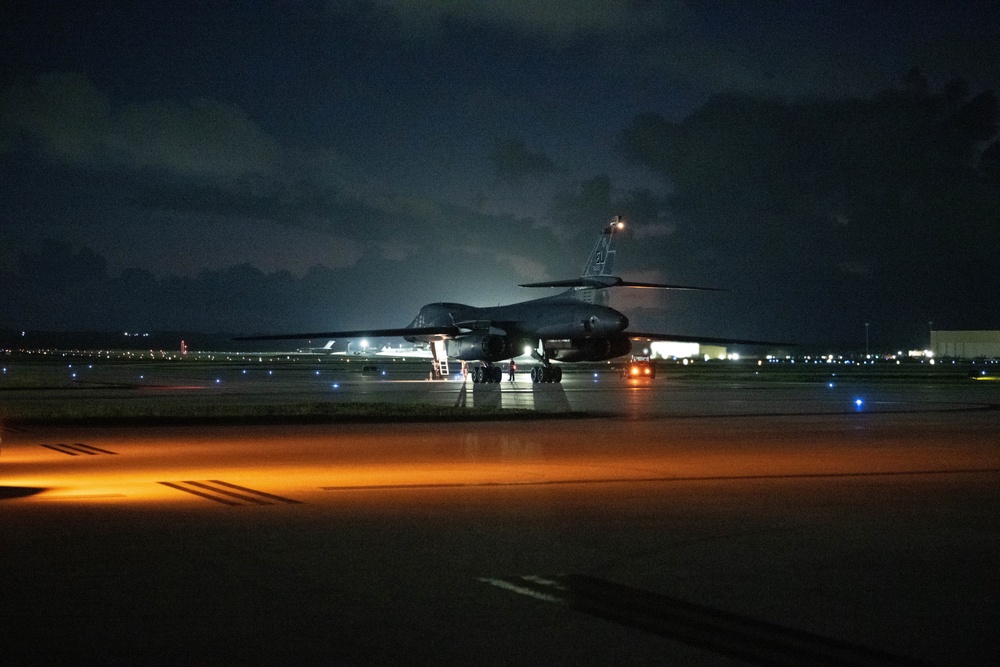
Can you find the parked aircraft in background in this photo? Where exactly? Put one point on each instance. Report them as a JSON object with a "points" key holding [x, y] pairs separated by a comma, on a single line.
{"points": [[566, 327]]}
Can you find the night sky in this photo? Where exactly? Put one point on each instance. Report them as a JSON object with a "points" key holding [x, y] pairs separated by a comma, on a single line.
{"points": [[269, 168]]}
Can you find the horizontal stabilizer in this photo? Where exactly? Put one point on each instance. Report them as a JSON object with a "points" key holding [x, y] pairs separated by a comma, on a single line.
{"points": [[627, 283], [593, 283], [406, 332], [674, 338], [601, 282]]}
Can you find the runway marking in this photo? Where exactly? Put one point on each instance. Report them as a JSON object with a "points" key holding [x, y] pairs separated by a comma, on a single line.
{"points": [[629, 480], [177, 486], [88, 496], [720, 631], [77, 448], [280, 499], [223, 492]]}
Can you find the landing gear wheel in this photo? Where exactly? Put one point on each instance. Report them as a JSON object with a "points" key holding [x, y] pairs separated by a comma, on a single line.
{"points": [[477, 374], [546, 374], [497, 374]]}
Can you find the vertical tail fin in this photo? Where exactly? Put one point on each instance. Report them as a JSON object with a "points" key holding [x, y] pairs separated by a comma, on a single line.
{"points": [[597, 273], [602, 258], [600, 263]]}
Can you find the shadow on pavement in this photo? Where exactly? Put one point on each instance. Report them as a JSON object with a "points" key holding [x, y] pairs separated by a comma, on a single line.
{"points": [[7, 492]]}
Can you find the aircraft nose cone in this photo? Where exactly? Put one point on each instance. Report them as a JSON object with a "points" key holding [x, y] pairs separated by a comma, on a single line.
{"points": [[622, 323]]}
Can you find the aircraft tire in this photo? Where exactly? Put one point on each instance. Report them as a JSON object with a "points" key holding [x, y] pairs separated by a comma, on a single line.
{"points": [[556, 374], [535, 374], [497, 374], [477, 375]]}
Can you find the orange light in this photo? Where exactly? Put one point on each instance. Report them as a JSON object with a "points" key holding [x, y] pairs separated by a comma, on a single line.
{"points": [[635, 370], [647, 371]]}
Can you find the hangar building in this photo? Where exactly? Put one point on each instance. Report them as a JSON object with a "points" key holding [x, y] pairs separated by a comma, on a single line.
{"points": [[966, 344]]}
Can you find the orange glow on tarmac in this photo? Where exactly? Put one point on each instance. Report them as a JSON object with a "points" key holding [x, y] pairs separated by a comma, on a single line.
{"points": [[303, 461]]}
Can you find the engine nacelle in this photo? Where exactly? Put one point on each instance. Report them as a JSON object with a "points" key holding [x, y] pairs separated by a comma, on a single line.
{"points": [[589, 349], [479, 347]]}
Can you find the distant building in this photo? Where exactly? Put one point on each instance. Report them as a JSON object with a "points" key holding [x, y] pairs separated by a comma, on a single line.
{"points": [[672, 350], [966, 344]]}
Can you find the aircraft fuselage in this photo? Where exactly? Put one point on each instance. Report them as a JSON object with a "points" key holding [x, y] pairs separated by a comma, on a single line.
{"points": [[566, 328]]}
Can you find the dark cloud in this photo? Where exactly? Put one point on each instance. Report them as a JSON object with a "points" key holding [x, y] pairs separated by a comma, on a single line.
{"points": [[55, 266], [514, 161], [973, 52], [558, 20], [69, 120], [833, 213], [57, 287]]}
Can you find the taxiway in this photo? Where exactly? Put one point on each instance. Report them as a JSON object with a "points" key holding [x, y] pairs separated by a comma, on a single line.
{"points": [[691, 523]]}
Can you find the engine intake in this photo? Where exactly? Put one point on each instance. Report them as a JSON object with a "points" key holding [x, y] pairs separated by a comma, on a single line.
{"points": [[590, 349], [479, 347]]}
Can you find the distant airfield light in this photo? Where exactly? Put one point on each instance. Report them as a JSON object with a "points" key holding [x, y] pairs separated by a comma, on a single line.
{"points": [[335, 385], [858, 403], [217, 380], [527, 350]]}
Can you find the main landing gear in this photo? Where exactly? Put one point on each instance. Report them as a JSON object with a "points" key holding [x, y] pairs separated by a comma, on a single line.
{"points": [[484, 374], [546, 374]]}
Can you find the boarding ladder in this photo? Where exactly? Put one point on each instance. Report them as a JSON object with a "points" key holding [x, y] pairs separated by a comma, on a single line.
{"points": [[440, 358]]}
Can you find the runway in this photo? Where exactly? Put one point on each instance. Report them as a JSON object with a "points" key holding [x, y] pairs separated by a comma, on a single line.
{"points": [[691, 522]]}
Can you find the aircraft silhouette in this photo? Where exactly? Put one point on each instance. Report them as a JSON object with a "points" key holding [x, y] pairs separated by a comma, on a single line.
{"points": [[565, 327]]}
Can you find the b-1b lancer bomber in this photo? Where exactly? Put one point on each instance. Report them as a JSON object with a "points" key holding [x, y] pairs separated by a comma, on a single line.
{"points": [[566, 327]]}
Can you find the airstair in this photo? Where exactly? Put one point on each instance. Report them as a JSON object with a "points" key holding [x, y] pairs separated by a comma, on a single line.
{"points": [[440, 359]]}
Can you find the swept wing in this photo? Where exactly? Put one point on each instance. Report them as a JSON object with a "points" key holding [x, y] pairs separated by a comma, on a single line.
{"points": [[427, 333], [600, 282], [676, 338]]}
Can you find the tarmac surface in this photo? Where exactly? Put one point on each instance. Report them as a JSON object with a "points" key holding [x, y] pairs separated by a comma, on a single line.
{"points": [[694, 520]]}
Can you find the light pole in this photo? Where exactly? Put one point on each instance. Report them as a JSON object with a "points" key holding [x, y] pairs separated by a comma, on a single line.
{"points": [[866, 341]]}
